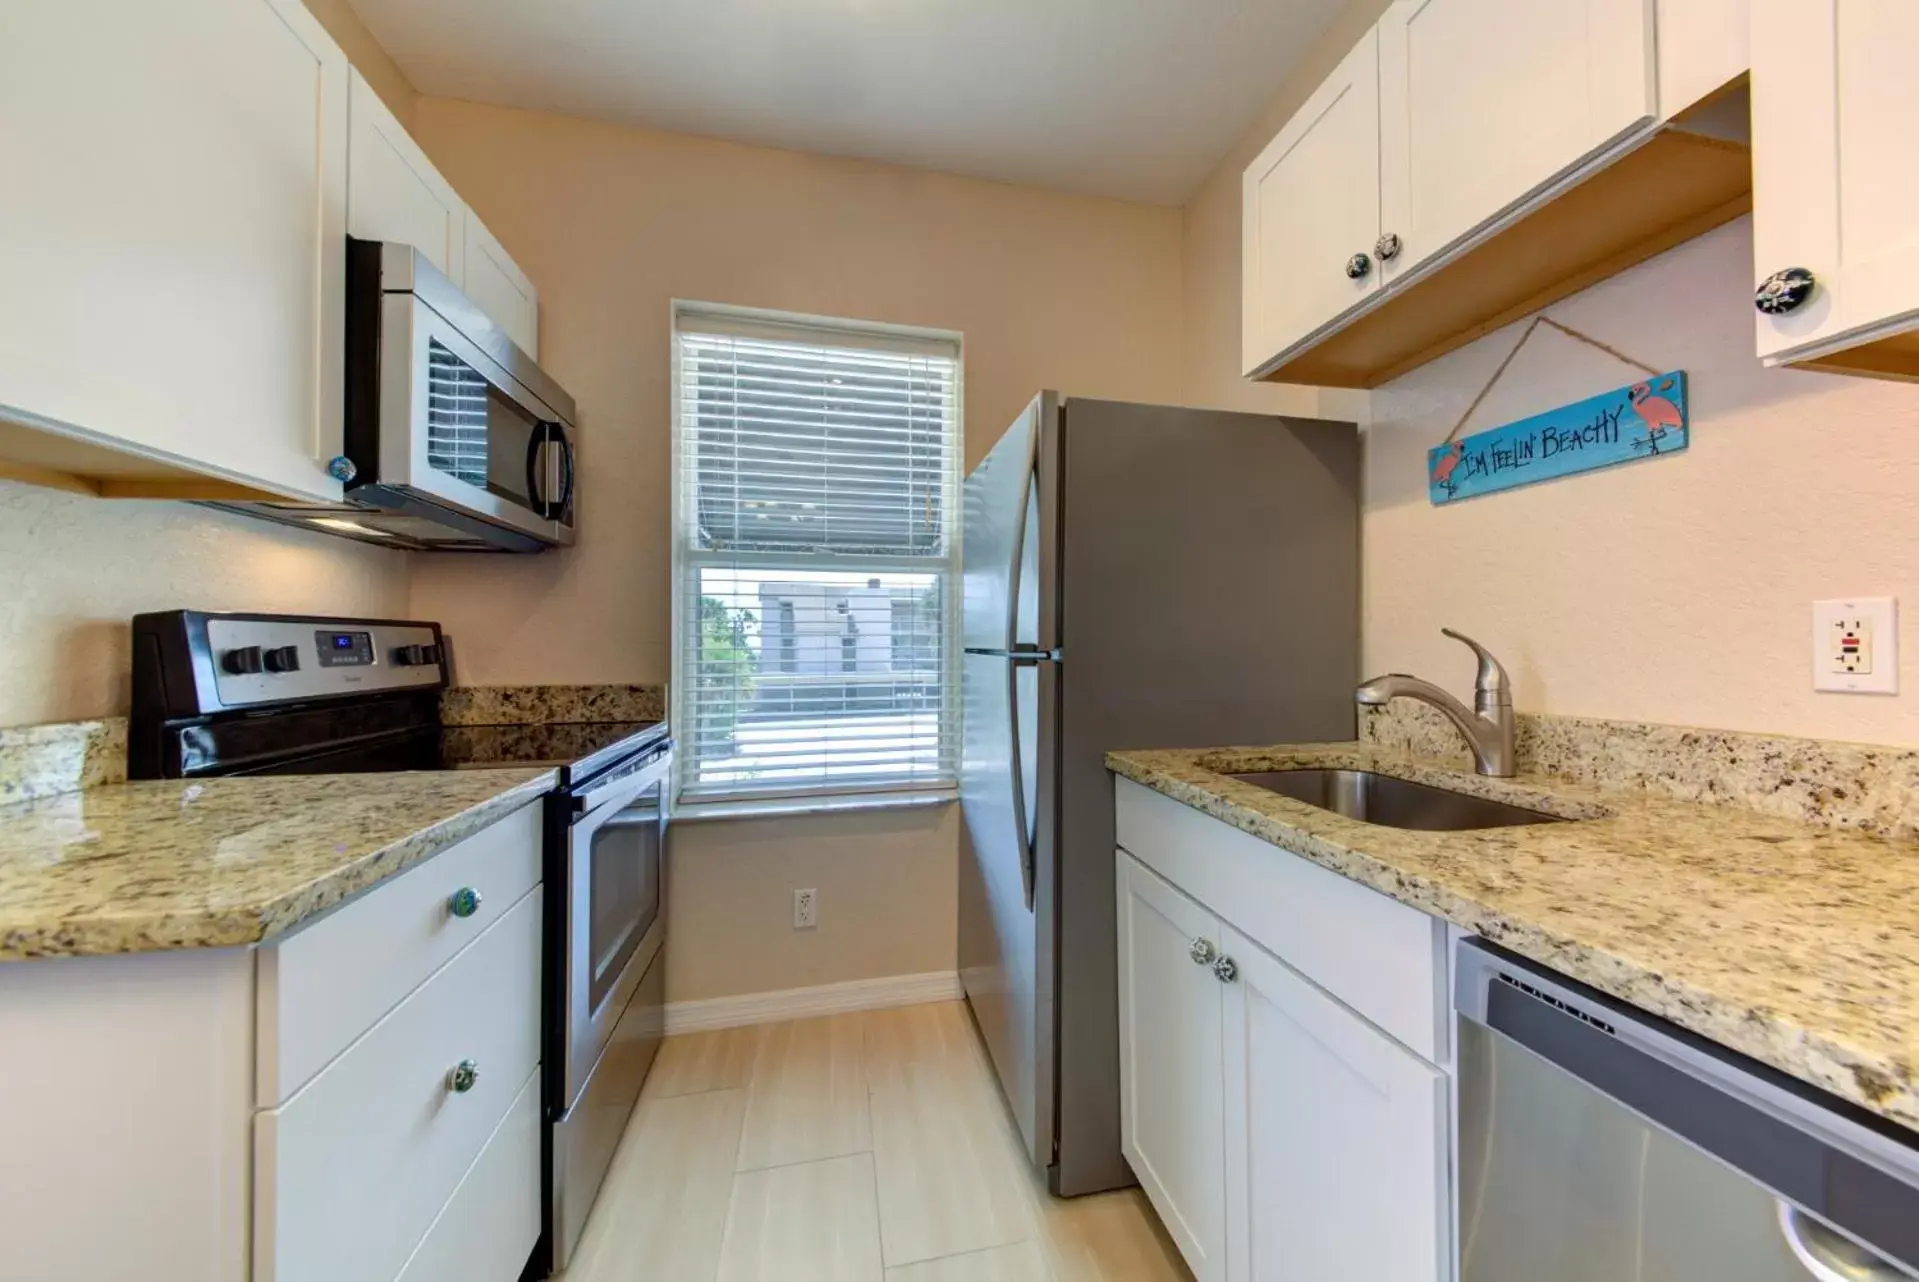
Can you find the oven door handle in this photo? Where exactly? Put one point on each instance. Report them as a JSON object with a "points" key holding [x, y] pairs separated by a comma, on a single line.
{"points": [[618, 792]]}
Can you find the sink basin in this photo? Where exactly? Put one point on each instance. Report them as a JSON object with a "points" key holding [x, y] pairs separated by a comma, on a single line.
{"points": [[1393, 803]]}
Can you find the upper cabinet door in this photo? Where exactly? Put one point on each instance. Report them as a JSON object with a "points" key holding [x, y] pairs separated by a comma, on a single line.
{"points": [[1335, 1137], [395, 193], [1169, 1027], [1835, 106], [1310, 213], [172, 233], [497, 285], [1482, 102]]}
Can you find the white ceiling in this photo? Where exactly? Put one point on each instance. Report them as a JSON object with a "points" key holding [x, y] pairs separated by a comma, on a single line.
{"points": [[1137, 99]]}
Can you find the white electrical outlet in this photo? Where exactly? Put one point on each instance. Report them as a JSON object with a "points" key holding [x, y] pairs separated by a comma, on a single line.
{"points": [[1855, 645], [806, 909]]}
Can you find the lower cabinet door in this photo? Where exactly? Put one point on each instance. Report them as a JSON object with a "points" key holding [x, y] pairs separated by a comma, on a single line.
{"points": [[1334, 1134], [488, 1227], [1170, 1078]]}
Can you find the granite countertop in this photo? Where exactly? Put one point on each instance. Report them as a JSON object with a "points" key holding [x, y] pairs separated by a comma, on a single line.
{"points": [[161, 864], [1796, 945]]}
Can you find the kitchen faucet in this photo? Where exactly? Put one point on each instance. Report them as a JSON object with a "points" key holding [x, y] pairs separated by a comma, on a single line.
{"points": [[1488, 727]]}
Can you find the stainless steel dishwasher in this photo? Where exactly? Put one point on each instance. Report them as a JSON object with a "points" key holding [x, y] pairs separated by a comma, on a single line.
{"points": [[1598, 1143]]}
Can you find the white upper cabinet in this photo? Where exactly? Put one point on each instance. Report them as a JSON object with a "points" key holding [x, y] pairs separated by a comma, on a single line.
{"points": [[394, 192], [172, 223], [497, 285], [1835, 107], [1170, 1079], [1482, 102], [1335, 1136], [1310, 212]]}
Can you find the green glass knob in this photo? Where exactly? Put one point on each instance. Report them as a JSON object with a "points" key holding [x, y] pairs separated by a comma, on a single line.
{"points": [[464, 902], [461, 1077]]}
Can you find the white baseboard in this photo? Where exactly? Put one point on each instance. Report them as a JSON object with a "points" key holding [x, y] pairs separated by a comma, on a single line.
{"points": [[821, 999]]}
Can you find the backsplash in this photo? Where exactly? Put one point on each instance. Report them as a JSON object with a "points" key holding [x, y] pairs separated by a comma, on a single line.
{"points": [[1830, 783], [545, 705], [61, 756]]}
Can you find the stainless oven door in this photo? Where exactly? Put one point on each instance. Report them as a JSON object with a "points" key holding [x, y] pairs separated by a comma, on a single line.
{"points": [[460, 429], [613, 926]]}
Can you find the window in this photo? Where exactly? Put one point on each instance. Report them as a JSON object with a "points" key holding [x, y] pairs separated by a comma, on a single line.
{"points": [[816, 559]]}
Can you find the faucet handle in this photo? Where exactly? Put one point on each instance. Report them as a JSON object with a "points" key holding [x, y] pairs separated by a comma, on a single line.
{"points": [[1492, 677]]}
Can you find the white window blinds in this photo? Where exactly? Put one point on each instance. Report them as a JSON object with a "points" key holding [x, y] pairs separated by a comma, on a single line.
{"points": [[816, 558]]}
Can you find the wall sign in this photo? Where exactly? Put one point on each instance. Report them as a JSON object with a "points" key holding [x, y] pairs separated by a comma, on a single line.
{"points": [[1644, 420]]}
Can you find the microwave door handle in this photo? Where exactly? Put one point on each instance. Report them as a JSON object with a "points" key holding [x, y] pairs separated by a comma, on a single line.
{"points": [[557, 508], [534, 457]]}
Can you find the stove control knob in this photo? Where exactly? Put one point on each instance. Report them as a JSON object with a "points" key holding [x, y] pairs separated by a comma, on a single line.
{"points": [[283, 658], [416, 656], [244, 661]]}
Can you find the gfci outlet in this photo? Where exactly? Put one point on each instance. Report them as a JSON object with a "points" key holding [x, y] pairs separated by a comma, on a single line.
{"points": [[806, 909], [1855, 645]]}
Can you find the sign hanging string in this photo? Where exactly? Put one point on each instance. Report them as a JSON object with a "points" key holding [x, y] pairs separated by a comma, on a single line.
{"points": [[1569, 332]]}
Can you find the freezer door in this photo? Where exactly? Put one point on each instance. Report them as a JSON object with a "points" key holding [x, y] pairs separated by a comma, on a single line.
{"points": [[1001, 543]]}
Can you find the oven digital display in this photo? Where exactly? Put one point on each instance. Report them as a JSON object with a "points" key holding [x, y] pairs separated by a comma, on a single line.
{"points": [[344, 649]]}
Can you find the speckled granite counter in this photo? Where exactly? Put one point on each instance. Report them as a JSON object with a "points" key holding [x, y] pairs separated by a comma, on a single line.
{"points": [[175, 864], [1796, 945]]}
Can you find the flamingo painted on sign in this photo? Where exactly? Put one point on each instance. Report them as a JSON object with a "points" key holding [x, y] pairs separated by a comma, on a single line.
{"points": [[1447, 463], [1656, 412]]}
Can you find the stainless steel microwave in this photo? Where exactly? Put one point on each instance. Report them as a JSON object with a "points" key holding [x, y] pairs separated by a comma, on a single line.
{"points": [[455, 439]]}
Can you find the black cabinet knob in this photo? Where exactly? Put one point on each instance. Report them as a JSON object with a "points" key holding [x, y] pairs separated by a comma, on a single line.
{"points": [[242, 662], [1784, 291], [1357, 266], [283, 658]]}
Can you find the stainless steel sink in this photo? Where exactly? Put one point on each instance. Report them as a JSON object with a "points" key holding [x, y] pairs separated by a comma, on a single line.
{"points": [[1393, 803]]}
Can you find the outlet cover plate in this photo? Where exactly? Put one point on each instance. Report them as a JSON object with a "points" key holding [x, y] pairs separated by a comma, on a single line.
{"points": [[1855, 645]]}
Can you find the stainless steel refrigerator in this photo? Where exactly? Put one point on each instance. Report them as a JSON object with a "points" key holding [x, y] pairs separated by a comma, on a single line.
{"points": [[1135, 576]]}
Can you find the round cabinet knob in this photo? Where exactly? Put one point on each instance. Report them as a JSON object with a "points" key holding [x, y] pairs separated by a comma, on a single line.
{"points": [[1226, 970], [462, 1076], [244, 661], [1387, 247], [464, 902], [1357, 266], [283, 658], [1202, 952], [341, 468], [1784, 291]]}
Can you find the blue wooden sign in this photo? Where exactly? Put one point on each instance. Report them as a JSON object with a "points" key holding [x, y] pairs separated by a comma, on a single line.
{"points": [[1641, 421]]}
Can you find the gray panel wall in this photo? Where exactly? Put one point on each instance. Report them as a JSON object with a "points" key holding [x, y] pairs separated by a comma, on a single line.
{"points": [[1209, 582]]}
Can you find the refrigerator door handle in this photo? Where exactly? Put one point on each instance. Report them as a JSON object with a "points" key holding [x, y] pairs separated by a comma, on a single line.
{"points": [[1020, 832]]}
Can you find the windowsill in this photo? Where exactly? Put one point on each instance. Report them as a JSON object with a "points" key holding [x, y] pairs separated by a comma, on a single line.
{"points": [[701, 811]]}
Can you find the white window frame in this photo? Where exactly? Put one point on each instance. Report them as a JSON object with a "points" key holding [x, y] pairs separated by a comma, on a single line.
{"points": [[812, 798]]}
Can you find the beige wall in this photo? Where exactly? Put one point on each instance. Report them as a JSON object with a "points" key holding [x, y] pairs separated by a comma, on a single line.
{"points": [[1676, 590], [887, 888], [77, 569], [1210, 245], [613, 223]]}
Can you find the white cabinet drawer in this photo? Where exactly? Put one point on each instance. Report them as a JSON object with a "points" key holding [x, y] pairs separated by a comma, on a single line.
{"points": [[1384, 960], [489, 1225], [325, 984], [350, 1172]]}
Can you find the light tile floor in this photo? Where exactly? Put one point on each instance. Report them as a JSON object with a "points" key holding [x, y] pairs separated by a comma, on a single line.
{"points": [[872, 1147]]}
